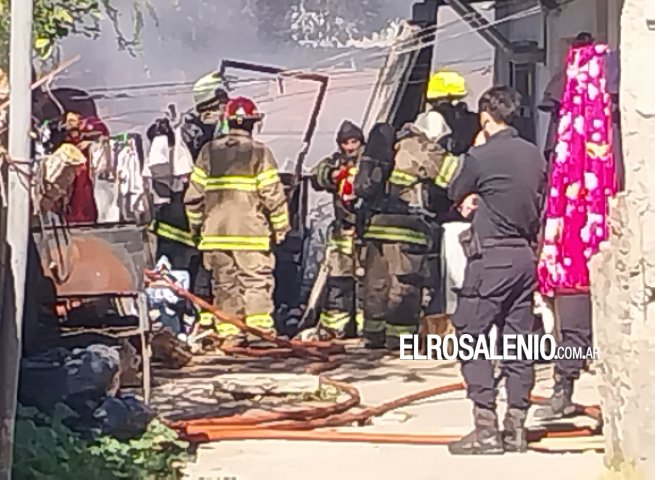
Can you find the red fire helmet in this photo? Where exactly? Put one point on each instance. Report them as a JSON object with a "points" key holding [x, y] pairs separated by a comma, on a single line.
{"points": [[242, 108]]}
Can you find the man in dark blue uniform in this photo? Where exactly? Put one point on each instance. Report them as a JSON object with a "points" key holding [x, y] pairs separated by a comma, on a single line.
{"points": [[508, 175]]}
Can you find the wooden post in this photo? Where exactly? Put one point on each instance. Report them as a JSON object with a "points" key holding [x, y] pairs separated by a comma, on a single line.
{"points": [[18, 219], [623, 274]]}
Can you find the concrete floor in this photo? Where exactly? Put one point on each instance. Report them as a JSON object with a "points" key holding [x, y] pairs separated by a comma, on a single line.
{"points": [[448, 414]]}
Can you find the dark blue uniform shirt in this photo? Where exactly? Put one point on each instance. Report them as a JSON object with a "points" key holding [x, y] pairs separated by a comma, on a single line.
{"points": [[508, 174]]}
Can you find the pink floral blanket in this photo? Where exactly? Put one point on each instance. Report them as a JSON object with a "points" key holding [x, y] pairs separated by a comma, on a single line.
{"points": [[582, 177]]}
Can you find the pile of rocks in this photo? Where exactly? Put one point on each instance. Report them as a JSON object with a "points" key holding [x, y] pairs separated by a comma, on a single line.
{"points": [[86, 380]]}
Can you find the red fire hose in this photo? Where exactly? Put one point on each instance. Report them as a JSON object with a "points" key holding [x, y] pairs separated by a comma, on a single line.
{"points": [[300, 424]]}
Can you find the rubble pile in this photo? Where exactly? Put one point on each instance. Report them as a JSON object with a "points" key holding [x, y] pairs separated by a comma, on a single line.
{"points": [[87, 381]]}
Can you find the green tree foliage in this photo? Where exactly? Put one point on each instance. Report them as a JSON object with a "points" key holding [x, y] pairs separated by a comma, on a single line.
{"points": [[323, 21], [55, 20], [46, 449]]}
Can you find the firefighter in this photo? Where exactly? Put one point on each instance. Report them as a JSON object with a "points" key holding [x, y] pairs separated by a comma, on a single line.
{"points": [[210, 99], [333, 174], [444, 96], [509, 176], [237, 206], [394, 181], [171, 225], [445, 93]]}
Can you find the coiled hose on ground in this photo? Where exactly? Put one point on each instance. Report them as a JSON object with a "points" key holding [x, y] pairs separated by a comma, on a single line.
{"points": [[301, 424]]}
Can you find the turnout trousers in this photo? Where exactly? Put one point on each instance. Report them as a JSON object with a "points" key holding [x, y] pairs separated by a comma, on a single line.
{"points": [[498, 289], [574, 320], [337, 304], [392, 291], [242, 285]]}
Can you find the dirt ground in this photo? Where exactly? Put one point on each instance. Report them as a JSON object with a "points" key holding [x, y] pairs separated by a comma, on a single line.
{"points": [[191, 393]]}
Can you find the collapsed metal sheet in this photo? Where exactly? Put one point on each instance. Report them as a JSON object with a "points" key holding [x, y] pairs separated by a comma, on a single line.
{"points": [[94, 260], [393, 77]]}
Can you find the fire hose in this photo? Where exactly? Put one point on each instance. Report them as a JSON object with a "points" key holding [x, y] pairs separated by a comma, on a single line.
{"points": [[301, 424]]}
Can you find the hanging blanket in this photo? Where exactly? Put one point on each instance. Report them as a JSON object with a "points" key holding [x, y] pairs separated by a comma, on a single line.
{"points": [[582, 177]]}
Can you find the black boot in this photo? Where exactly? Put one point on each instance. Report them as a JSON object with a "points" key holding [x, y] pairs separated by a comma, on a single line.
{"points": [[484, 440], [392, 344], [374, 340], [515, 436], [561, 403]]}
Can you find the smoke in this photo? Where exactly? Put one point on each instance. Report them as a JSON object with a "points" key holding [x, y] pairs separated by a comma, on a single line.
{"points": [[191, 37]]}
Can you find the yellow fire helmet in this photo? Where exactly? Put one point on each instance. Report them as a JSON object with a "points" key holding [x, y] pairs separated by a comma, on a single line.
{"points": [[444, 84], [209, 89]]}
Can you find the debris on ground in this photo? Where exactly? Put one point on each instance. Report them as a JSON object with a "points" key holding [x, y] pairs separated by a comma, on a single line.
{"points": [[170, 350], [268, 384], [86, 380]]}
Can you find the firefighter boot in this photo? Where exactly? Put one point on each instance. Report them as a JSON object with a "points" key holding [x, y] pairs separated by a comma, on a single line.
{"points": [[374, 340], [485, 439], [392, 344], [560, 404], [515, 436]]}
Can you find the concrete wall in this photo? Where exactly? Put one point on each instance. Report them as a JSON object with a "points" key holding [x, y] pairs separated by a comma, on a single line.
{"points": [[623, 274], [460, 48], [555, 30]]}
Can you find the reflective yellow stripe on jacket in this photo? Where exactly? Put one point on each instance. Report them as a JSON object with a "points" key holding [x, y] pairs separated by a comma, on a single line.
{"points": [[172, 233], [402, 179], [244, 183], [396, 234], [447, 171], [195, 218], [199, 176], [266, 178], [342, 244], [279, 221], [398, 330], [230, 242]]}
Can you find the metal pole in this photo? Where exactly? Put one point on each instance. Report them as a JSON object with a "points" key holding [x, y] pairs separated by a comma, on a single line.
{"points": [[18, 220]]}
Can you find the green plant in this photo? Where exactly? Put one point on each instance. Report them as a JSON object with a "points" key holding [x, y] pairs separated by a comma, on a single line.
{"points": [[157, 454], [55, 20], [46, 449]]}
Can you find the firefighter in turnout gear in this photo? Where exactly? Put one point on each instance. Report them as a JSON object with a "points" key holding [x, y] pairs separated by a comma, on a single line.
{"points": [[171, 225], [237, 206], [334, 174], [444, 96], [445, 93], [394, 180]]}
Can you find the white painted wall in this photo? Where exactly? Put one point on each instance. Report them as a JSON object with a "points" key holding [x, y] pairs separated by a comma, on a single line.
{"points": [[459, 47], [599, 17]]}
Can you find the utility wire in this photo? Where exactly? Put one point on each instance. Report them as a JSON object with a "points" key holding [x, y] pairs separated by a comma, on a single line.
{"points": [[423, 32], [187, 91], [354, 51], [183, 88]]}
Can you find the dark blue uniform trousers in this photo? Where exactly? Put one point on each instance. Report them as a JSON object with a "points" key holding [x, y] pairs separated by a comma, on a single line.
{"points": [[498, 289], [574, 314]]}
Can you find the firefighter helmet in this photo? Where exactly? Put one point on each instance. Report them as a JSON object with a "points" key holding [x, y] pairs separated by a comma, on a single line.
{"points": [[445, 84], [432, 124], [242, 108], [209, 91]]}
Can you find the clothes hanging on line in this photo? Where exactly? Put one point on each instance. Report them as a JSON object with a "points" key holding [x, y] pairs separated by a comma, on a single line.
{"points": [[167, 167], [83, 133], [131, 197]]}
